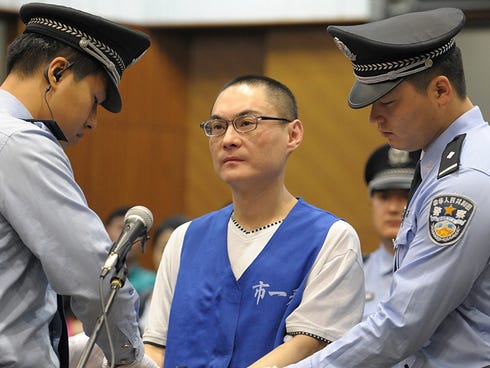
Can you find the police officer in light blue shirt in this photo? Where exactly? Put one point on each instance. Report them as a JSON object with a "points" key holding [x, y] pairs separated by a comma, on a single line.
{"points": [[388, 174], [438, 311], [64, 65]]}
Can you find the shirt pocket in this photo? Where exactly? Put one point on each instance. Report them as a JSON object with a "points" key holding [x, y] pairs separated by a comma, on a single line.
{"points": [[402, 242]]}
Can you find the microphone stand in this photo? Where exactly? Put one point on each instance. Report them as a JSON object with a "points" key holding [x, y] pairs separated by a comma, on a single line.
{"points": [[117, 282]]}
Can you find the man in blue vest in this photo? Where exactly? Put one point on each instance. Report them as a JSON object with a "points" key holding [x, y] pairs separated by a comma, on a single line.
{"points": [[268, 278], [438, 312]]}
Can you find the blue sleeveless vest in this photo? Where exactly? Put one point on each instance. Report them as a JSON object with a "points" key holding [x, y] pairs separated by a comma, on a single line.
{"points": [[217, 321]]}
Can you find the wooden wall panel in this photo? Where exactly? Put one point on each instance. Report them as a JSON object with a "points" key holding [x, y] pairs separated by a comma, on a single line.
{"points": [[328, 168], [216, 57]]}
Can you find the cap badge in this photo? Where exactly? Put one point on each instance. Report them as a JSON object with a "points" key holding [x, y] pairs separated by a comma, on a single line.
{"points": [[448, 218], [345, 50], [397, 157]]}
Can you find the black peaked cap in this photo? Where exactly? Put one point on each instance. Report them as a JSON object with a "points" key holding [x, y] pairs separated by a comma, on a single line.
{"points": [[115, 46], [385, 51], [390, 168]]}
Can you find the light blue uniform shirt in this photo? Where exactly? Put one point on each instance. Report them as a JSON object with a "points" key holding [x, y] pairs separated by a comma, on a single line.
{"points": [[50, 242], [438, 313], [378, 273]]}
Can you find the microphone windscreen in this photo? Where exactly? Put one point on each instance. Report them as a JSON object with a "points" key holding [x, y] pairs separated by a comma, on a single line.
{"points": [[142, 213]]}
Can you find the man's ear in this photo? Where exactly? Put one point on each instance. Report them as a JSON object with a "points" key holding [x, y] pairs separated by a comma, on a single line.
{"points": [[295, 130], [55, 69], [441, 89]]}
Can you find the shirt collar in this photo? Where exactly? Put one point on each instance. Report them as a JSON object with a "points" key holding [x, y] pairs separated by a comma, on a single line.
{"points": [[12, 106]]}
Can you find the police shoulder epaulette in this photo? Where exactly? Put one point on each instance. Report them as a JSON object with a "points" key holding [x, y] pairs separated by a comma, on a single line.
{"points": [[450, 156]]}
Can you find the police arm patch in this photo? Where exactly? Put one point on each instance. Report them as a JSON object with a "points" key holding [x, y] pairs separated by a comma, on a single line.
{"points": [[449, 217]]}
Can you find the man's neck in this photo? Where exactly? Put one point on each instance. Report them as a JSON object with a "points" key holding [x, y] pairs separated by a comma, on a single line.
{"points": [[259, 208]]}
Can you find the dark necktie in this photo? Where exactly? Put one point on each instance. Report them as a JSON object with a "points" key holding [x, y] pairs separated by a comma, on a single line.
{"points": [[58, 329], [417, 179], [63, 345]]}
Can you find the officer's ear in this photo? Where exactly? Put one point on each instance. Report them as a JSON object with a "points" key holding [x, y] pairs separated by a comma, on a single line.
{"points": [[59, 66], [441, 89]]}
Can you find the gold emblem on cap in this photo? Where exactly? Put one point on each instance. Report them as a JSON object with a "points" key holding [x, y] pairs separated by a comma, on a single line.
{"points": [[345, 50]]}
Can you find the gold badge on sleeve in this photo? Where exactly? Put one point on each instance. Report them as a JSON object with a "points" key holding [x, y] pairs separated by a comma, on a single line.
{"points": [[449, 217]]}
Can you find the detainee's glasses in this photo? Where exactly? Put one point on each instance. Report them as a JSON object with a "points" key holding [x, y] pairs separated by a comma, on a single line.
{"points": [[242, 124]]}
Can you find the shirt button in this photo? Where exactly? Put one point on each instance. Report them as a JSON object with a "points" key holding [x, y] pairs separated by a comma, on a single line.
{"points": [[369, 296]]}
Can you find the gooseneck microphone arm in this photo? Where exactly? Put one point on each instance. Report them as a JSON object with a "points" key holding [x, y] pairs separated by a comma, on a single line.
{"points": [[137, 223], [117, 282]]}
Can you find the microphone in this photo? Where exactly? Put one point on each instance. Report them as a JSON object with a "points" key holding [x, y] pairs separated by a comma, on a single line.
{"points": [[137, 221]]}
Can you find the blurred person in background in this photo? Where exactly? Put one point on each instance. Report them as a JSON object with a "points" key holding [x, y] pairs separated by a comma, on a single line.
{"points": [[162, 234], [388, 174]]}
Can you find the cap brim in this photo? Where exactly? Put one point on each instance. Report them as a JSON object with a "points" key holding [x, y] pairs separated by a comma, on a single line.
{"points": [[362, 94], [390, 182], [112, 102]]}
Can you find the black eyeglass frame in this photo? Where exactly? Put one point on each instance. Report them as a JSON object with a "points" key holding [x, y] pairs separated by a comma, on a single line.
{"points": [[257, 118]]}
